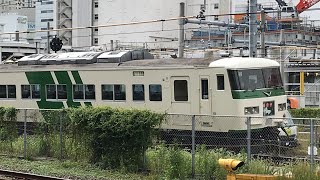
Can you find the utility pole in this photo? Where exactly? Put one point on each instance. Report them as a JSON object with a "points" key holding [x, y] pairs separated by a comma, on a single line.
{"points": [[253, 28], [181, 31], [48, 38], [262, 34]]}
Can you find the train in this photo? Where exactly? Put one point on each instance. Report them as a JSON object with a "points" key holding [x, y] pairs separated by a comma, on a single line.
{"points": [[233, 86]]}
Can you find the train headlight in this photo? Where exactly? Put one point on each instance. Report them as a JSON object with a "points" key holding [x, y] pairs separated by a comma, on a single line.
{"points": [[251, 110], [282, 107]]}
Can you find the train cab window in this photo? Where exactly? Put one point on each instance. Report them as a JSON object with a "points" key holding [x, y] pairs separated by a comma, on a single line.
{"points": [[30, 91], [7, 91], [220, 82], [51, 91], [181, 90], [204, 89], [138, 92], [155, 92]]}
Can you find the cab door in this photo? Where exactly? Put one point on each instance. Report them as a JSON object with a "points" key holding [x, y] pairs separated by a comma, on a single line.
{"points": [[205, 98]]}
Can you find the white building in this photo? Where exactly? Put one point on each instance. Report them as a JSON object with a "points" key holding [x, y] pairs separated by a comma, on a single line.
{"points": [[10, 22], [44, 14], [153, 35]]}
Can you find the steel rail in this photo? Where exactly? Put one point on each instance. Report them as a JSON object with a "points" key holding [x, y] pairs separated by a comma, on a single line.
{"points": [[23, 175]]}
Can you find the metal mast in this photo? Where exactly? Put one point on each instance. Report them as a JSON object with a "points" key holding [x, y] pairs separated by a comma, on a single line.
{"points": [[253, 28]]}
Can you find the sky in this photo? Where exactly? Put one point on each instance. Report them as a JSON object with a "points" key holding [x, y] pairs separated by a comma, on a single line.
{"points": [[312, 15]]}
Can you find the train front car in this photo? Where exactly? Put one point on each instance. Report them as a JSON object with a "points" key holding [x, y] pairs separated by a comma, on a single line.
{"points": [[256, 90]]}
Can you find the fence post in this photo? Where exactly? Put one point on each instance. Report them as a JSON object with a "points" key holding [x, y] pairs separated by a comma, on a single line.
{"points": [[248, 139], [193, 144], [311, 145], [61, 141], [25, 135]]}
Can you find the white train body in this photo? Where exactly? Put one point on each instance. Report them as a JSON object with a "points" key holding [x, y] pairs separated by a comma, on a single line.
{"points": [[180, 86]]}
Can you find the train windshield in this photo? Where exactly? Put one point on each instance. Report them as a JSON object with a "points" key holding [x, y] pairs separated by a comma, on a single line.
{"points": [[252, 79]]}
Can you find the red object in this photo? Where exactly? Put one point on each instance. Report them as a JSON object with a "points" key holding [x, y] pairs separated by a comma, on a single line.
{"points": [[305, 4]]}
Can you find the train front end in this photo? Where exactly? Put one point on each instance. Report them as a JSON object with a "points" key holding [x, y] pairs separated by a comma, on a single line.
{"points": [[257, 91]]}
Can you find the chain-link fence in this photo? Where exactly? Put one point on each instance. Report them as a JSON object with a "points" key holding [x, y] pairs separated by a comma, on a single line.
{"points": [[32, 134]]}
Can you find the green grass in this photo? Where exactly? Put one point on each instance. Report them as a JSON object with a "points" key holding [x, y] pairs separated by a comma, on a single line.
{"points": [[66, 169]]}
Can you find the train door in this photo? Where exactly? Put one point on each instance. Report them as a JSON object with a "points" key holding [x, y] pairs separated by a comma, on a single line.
{"points": [[205, 95], [180, 100]]}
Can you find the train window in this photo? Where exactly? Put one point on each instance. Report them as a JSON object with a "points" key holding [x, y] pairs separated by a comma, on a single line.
{"points": [[51, 91], [138, 92], [35, 91], [3, 91], [220, 82], [272, 77], [78, 92], [62, 91], [204, 89], [181, 90], [107, 92], [155, 92], [119, 92], [90, 92], [30, 91], [25, 91], [11, 91]]}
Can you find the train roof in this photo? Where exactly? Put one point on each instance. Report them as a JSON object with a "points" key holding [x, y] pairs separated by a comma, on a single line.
{"points": [[244, 63], [83, 61]]}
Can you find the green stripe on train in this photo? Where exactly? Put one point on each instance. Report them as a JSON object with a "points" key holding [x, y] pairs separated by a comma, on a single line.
{"points": [[63, 78], [259, 93], [45, 77]]}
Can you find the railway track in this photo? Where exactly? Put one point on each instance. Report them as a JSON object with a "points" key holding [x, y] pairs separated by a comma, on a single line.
{"points": [[6, 174]]}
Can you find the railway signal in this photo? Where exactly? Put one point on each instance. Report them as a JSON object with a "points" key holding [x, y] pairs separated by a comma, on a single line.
{"points": [[56, 44]]}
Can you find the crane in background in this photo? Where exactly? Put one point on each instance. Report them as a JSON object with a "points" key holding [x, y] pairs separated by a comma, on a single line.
{"points": [[288, 11]]}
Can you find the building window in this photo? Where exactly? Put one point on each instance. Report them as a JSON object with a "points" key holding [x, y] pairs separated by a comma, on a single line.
{"points": [[155, 92], [81, 92], [216, 6], [96, 16], [96, 4], [138, 92], [30, 91], [113, 92], [96, 29], [204, 89], [216, 18], [220, 82], [96, 41], [181, 90], [47, 11], [7, 91], [46, 20], [46, 2]]}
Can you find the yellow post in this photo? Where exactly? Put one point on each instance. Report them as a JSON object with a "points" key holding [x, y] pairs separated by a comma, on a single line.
{"points": [[301, 83]]}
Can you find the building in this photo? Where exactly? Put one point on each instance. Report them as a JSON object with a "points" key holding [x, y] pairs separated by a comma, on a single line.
{"points": [[160, 35]]}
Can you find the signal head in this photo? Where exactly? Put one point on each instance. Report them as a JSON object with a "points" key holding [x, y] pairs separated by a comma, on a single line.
{"points": [[230, 164]]}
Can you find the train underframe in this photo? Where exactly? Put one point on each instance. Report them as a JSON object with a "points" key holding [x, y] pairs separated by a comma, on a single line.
{"points": [[262, 141]]}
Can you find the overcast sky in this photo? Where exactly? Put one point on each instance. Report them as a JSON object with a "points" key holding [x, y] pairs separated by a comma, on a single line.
{"points": [[312, 15]]}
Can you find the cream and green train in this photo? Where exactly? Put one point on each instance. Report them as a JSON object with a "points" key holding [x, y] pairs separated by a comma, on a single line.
{"points": [[224, 87]]}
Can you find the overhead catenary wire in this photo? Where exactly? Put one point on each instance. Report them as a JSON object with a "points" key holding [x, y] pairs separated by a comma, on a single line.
{"points": [[138, 22]]}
